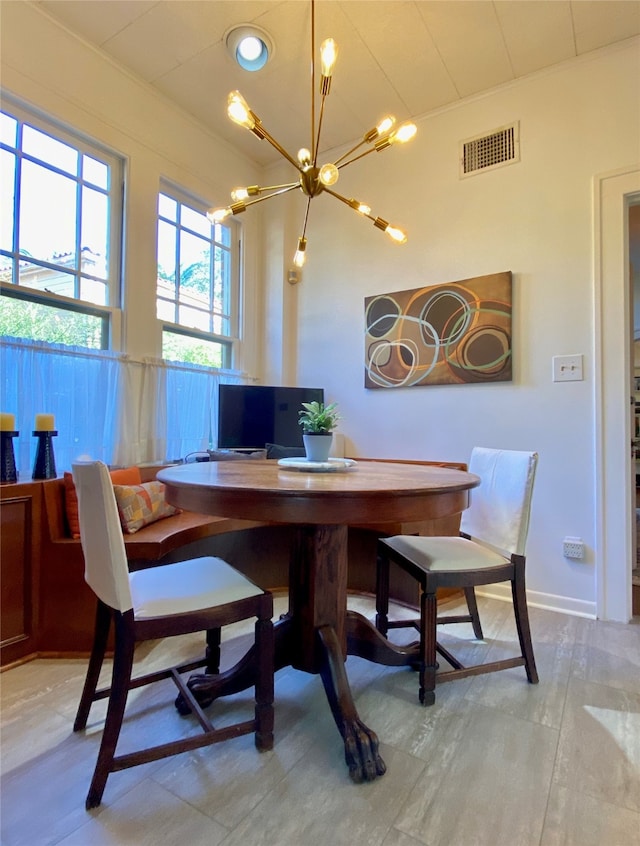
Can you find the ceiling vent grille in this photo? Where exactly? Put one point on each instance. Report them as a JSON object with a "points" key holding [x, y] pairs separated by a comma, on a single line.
{"points": [[487, 152]]}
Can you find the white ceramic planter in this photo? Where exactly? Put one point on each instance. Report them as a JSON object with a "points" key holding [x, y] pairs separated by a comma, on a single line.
{"points": [[317, 447]]}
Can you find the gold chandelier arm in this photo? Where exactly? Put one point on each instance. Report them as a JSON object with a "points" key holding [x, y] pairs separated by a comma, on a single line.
{"points": [[378, 131], [313, 78], [283, 190], [317, 143], [243, 194], [393, 232], [220, 214], [280, 148], [353, 204], [401, 135], [239, 112], [278, 187], [348, 153], [355, 158], [306, 218], [300, 255]]}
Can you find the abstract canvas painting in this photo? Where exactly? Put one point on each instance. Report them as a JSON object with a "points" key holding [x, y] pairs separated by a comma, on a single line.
{"points": [[452, 333]]}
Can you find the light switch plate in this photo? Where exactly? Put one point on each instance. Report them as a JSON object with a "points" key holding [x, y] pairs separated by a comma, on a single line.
{"points": [[567, 368]]}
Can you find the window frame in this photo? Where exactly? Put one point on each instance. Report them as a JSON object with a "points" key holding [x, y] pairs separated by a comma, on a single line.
{"points": [[228, 342], [111, 312]]}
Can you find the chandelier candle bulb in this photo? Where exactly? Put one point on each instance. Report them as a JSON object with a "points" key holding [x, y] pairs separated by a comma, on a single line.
{"points": [[300, 255], [240, 194], [404, 133], [384, 126], [328, 56], [218, 215], [44, 423], [239, 111], [396, 235], [329, 174], [361, 208]]}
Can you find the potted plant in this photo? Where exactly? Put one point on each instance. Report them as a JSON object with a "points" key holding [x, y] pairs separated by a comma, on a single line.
{"points": [[318, 422]]}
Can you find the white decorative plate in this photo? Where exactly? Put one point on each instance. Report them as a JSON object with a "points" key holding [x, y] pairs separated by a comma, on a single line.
{"points": [[333, 465]]}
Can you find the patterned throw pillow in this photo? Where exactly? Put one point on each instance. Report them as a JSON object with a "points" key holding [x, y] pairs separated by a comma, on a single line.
{"points": [[124, 476], [139, 505]]}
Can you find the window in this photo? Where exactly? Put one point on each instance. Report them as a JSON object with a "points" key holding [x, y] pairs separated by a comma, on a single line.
{"points": [[60, 232], [197, 282]]}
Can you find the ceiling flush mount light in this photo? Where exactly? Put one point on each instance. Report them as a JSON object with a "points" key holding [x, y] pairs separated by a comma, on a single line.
{"points": [[313, 179], [249, 46]]}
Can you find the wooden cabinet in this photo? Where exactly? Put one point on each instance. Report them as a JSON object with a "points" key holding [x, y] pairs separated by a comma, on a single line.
{"points": [[20, 522]]}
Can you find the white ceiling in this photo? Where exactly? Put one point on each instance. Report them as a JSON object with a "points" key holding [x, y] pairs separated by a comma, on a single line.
{"points": [[399, 57]]}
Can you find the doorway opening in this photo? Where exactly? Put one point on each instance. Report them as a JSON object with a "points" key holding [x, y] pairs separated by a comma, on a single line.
{"points": [[633, 228], [614, 194]]}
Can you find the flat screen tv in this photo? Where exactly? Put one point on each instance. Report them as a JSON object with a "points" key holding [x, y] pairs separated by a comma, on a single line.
{"points": [[250, 416]]}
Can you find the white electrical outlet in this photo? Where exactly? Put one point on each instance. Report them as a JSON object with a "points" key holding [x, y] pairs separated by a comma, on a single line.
{"points": [[573, 548]]}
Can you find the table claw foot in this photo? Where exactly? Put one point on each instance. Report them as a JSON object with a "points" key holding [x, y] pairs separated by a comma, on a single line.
{"points": [[361, 753], [201, 686], [360, 742], [182, 706], [203, 690]]}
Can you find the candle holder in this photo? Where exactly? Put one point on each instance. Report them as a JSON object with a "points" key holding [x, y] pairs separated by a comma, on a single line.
{"points": [[45, 464], [8, 471]]}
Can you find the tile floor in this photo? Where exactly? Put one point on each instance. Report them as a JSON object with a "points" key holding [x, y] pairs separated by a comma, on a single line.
{"points": [[495, 762]]}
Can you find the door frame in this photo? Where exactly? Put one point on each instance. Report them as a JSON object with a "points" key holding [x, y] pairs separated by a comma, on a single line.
{"points": [[613, 193]]}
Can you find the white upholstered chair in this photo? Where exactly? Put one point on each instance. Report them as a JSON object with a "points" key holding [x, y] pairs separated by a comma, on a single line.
{"points": [[202, 594], [490, 549]]}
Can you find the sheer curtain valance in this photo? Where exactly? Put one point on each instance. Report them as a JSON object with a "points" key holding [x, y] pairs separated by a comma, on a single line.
{"points": [[107, 405]]}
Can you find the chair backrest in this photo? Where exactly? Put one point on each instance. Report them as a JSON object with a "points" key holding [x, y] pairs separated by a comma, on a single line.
{"points": [[501, 504], [105, 560]]}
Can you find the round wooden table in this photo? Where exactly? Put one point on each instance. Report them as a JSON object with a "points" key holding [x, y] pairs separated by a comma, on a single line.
{"points": [[318, 632]]}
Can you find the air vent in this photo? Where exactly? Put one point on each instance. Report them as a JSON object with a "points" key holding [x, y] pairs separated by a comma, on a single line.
{"points": [[487, 152]]}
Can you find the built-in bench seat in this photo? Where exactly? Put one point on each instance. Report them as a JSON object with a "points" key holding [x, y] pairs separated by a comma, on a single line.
{"points": [[148, 545]]}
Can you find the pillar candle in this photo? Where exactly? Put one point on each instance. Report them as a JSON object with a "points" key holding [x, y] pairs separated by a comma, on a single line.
{"points": [[7, 422], [44, 423]]}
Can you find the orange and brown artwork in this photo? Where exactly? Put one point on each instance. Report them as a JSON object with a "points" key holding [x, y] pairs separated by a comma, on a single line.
{"points": [[453, 333]]}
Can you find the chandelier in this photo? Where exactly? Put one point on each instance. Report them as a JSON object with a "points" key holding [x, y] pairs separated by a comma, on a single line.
{"points": [[313, 179]]}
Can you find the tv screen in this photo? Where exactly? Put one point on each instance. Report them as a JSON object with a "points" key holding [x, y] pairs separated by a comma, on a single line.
{"points": [[250, 416]]}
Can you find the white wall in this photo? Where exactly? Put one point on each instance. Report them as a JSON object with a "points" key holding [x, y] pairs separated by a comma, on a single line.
{"points": [[53, 70], [533, 218]]}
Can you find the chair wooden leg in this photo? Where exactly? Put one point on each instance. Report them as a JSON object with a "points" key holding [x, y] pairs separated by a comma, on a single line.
{"points": [[100, 637], [264, 640], [521, 612], [212, 654], [120, 680], [472, 605], [428, 622], [382, 594]]}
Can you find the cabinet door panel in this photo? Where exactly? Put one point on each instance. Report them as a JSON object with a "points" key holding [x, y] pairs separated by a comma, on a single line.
{"points": [[19, 513], [15, 589]]}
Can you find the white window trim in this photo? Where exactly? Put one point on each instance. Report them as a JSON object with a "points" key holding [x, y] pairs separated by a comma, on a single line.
{"points": [[231, 340], [85, 145]]}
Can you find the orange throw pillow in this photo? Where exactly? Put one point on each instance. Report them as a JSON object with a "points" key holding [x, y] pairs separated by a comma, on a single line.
{"points": [[126, 476]]}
